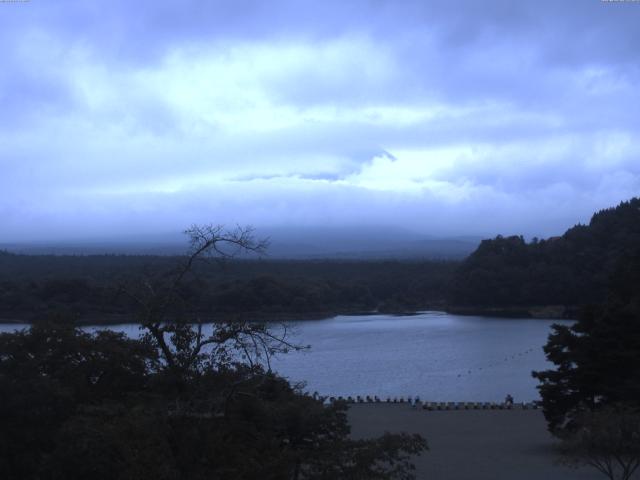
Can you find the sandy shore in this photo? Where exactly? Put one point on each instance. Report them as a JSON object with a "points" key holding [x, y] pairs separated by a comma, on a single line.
{"points": [[472, 444]]}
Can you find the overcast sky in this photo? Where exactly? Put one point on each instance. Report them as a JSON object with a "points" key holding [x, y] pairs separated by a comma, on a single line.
{"points": [[449, 118]]}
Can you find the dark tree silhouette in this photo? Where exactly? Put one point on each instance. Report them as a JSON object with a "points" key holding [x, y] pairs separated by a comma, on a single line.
{"points": [[182, 402], [178, 333], [597, 358], [607, 440], [592, 399], [572, 270]]}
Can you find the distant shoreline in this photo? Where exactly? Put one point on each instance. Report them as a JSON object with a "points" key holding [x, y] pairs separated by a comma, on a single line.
{"points": [[554, 312], [106, 319]]}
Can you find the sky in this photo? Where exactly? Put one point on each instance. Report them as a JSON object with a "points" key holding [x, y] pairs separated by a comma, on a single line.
{"points": [[445, 118]]}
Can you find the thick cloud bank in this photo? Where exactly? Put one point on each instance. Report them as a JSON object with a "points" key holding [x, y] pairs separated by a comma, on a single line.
{"points": [[448, 118]]}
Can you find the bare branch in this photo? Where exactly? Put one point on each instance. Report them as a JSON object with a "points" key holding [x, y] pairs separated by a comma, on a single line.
{"points": [[183, 344]]}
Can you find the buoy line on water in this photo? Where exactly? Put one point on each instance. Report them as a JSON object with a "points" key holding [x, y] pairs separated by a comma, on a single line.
{"points": [[469, 371]]}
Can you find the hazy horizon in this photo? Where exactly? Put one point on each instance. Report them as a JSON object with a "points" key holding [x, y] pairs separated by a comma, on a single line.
{"points": [[443, 119], [283, 242]]}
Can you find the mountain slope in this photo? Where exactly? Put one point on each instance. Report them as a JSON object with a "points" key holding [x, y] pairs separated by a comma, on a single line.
{"points": [[573, 269]]}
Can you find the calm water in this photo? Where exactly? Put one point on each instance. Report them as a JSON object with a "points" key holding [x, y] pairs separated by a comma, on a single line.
{"points": [[438, 356]]}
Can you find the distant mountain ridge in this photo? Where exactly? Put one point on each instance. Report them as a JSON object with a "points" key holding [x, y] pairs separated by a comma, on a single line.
{"points": [[285, 243], [572, 270]]}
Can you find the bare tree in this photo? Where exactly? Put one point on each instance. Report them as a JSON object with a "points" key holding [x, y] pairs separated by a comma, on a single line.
{"points": [[185, 345], [607, 440]]}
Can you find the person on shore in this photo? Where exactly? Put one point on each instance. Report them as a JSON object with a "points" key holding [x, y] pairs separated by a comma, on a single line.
{"points": [[508, 401]]}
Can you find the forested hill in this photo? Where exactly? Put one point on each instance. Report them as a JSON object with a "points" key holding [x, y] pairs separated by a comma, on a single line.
{"points": [[571, 270], [89, 287]]}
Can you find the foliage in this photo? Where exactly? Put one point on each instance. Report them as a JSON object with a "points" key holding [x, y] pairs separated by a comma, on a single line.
{"points": [[179, 403], [608, 440], [592, 399], [573, 269], [47, 373], [597, 358], [87, 286]]}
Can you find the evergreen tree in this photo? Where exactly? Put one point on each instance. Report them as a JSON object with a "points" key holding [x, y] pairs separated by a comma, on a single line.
{"points": [[597, 358]]}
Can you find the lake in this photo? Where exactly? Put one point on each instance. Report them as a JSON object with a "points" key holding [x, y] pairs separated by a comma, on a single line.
{"points": [[434, 355]]}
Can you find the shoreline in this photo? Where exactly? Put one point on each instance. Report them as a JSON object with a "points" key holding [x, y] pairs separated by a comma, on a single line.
{"points": [[108, 319], [97, 319], [548, 312]]}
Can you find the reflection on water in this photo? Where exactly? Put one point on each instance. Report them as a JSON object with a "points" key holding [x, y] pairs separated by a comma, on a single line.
{"points": [[438, 356]]}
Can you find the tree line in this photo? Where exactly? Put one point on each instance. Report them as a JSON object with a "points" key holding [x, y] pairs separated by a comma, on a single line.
{"points": [[89, 287], [573, 269]]}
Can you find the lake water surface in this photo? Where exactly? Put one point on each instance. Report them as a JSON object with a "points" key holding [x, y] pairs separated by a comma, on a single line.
{"points": [[434, 355], [437, 356]]}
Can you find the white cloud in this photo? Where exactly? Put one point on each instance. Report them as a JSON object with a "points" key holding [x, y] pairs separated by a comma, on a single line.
{"points": [[286, 119]]}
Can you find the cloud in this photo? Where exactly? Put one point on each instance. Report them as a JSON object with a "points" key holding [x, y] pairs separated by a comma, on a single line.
{"points": [[453, 118]]}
